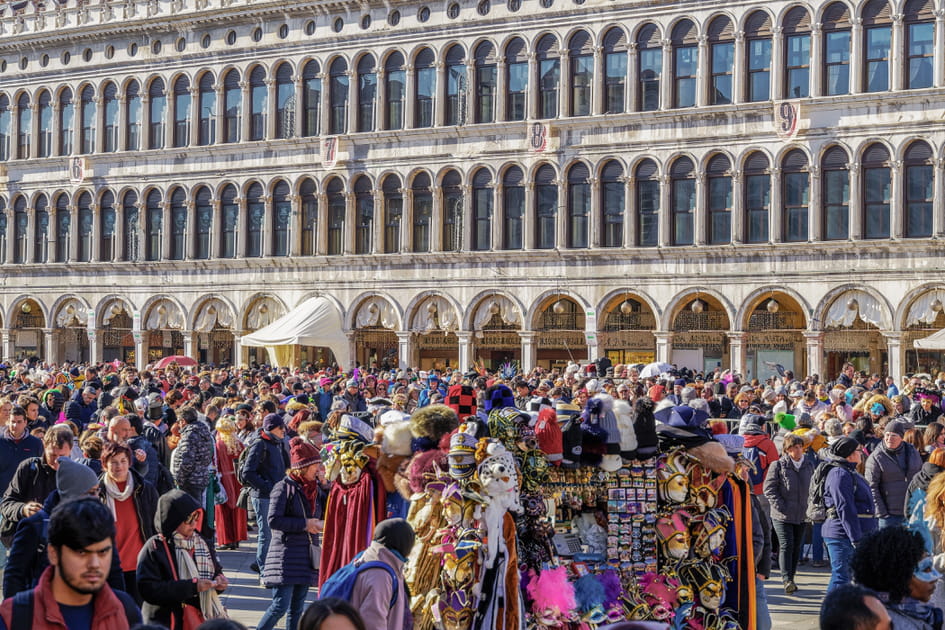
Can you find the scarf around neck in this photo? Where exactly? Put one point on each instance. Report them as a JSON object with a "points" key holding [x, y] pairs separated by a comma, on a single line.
{"points": [[113, 494]]}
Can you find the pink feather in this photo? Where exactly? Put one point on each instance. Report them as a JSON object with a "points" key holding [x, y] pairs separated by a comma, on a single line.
{"points": [[551, 590]]}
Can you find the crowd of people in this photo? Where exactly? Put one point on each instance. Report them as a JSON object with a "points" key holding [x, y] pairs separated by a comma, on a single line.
{"points": [[121, 487]]}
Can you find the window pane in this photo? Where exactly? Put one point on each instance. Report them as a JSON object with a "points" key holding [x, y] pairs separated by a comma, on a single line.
{"points": [[616, 69], [208, 118], [395, 99], [259, 99], [758, 199], [518, 86], [455, 94], [720, 210], [877, 55], [796, 193], [919, 201], [837, 53], [759, 70], [485, 97], [156, 126], [648, 203], [582, 79], [182, 120], [548, 74], [313, 99], [367, 91], [798, 62], [687, 61], [66, 120], [547, 204], [651, 64], [339, 103], [613, 194], [723, 58], [514, 210], [255, 213], [684, 203], [920, 51], [422, 218], [426, 89], [876, 183], [134, 124], [482, 215], [836, 204], [285, 110], [579, 209]]}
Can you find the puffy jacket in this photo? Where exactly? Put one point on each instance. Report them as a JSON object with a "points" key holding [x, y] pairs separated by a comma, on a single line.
{"points": [[888, 480], [849, 494], [191, 459], [265, 465], [77, 411], [787, 489], [33, 481], [12, 452], [288, 561]]}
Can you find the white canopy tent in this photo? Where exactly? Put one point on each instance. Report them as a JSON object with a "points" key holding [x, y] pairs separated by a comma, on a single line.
{"points": [[935, 341], [314, 322]]}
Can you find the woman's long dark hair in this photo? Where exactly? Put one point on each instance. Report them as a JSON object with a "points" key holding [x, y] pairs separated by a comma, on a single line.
{"points": [[322, 609]]}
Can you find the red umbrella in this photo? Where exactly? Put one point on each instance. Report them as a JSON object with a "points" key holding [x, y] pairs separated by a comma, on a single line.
{"points": [[179, 359]]}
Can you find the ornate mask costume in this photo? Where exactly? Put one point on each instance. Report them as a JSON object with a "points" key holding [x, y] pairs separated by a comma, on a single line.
{"points": [[672, 477], [673, 532]]}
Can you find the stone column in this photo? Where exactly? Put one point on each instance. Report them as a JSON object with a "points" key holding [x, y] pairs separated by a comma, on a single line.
{"points": [[188, 342], [7, 338], [246, 108], [816, 86], [352, 348], [404, 348], [938, 77], [406, 221], [501, 87], [938, 200], [533, 91], [529, 353], [31, 234], [299, 106], [896, 211], [597, 83], [216, 227], [465, 349], [34, 129], [238, 347], [777, 63], [167, 232], [96, 251], [564, 83], [241, 221], [321, 225], [220, 106], [562, 216], [295, 226], [894, 348], [56, 109], [190, 231], [469, 116], [73, 254], [95, 345], [857, 58], [777, 212], [815, 228], [666, 76], [119, 251], [665, 212], [468, 220], [437, 221], [324, 111], [855, 203], [701, 213], [630, 217], [739, 71], [595, 222], [271, 106], [380, 100], [896, 49], [498, 214], [633, 82], [170, 115], [703, 73], [266, 229], [352, 113], [351, 223], [51, 345], [378, 238], [439, 106], [815, 352], [738, 208], [664, 345], [528, 218], [410, 94], [195, 111], [736, 344]]}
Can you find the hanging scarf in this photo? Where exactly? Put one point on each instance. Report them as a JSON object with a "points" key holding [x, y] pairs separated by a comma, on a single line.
{"points": [[113, 494], [309, 488], [914, 609], [194, 561]]}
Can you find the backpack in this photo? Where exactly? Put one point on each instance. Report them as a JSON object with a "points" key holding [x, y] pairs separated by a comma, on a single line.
{"points": [[759, 461], [341, 582], [816, 509], [241, 463]]}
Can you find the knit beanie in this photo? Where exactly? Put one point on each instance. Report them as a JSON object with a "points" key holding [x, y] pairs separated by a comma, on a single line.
{"points": [[462, 400], [302, 454], [73, 479], [549, 436], [498, 397], [396, 534]]}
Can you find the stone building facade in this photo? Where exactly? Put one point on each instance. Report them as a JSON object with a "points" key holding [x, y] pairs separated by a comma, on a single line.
{"points": [[534, 180]]}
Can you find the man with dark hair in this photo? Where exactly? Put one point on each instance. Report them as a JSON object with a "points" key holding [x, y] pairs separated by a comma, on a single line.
{"points": [[74, 586], [16, 444], [852, 607], [81, 406]]}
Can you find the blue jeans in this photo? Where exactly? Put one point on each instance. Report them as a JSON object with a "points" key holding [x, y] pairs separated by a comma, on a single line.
{"points": [[817, 543], [261, 507], [762, 613], [841, 553], [890, 521], [289, 597]]}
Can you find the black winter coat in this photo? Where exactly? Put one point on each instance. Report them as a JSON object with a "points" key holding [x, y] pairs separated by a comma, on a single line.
{"points": [[287, 561], [33, 480], [266, 463], [787, 489]]}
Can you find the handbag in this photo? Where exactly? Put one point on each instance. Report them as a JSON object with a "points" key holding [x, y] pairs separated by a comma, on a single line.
{"points": [[219, 493], [315, 550], [192, 616], [242, 501]]}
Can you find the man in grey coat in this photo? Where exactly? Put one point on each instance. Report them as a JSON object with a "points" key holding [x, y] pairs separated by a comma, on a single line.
{"points": [[787, 488], [889, 470]]}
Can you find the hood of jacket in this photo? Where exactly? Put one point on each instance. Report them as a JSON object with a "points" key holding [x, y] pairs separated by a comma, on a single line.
{"points": [[199, 427], [923, 478], [173, 508], [754, 439]]}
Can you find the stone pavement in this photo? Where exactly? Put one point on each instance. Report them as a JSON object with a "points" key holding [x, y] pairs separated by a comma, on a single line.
{"points": [[246, 600]]}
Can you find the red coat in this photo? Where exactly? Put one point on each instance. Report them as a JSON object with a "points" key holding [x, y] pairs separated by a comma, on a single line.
{"points": [[109, 614], [226, 465]]}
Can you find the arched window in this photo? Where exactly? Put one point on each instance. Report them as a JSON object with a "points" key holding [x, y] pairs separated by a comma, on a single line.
{"points": [[86, 225], [393, 213], [836, 26], [133, 113], [612, 204], [87, 139], [918, 190], [836, 194], [312, 94], [516, 80], [208, 110], [757, 198], [648, 204], [546, 207], [232, 106], [486, 78], [615, 71], [795, 196], [758, 56], [396, 79], [797, 53], [364, 216], [877, 35], [877, 180], [425, 72], [919, 55], [650, 68], [259, 103], [6, 127], [452, 212], [685, 63], [153, 226], [422, 212], [338, 96], [230, 220], [45, 124], [513, 207], [455, 88], [178, 223], [719, 199], [20, 230], [130, 230], [157, 108], [41, 230], [255, 214], [66, 122], [482, 210], [367, 92], [683, 200], [110, 103], [24, 125], [581, 51], [203, 208], [549, 76], [309, 200], [63, 229], [181, 112], [579, 205], [336, 216], [722, 60], [286, 105], [281, 215], [106, 228]]}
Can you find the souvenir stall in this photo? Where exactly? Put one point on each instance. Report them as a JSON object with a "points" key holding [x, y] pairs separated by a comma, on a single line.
{"points": [[561, 517]]}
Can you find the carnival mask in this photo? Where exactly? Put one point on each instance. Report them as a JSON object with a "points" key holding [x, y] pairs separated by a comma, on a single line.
{"points": [[709, 532], [672, 477], [673, 533], [708, 578], [704, 487]]}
